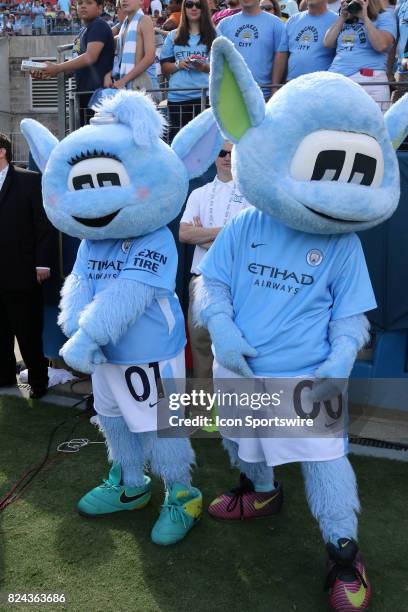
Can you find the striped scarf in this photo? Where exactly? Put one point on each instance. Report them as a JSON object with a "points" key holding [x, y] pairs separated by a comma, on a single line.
{"points": [[127, 47]]}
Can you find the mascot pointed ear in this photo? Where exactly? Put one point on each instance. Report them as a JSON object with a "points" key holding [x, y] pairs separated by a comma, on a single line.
{"points": [[237, 101], [40, 140], [198, 143], [396, 121]]}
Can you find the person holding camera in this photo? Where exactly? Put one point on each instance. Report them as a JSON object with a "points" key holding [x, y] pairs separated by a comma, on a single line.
{"points": [[185, 62], [363, 35]]}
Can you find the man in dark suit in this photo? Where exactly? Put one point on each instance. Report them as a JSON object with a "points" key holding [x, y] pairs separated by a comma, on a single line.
{"points": [[27, 251]]}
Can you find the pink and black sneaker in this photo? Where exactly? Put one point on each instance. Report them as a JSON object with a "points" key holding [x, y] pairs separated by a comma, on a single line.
{"points": [[347, 581], [244, 502]]}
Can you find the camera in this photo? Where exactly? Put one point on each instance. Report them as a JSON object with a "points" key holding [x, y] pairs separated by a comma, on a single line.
{"points": [[353, 7]]}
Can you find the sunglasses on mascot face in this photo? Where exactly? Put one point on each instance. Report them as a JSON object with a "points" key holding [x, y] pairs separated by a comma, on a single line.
{"points": [[267, 8], [190, 5], [224, 153]]}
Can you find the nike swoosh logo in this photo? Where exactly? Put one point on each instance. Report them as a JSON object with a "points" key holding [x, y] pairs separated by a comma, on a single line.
{"points": [[330, 425], [356, 599], [259, 505], [125, 499], [152, 405], [253, 245]]}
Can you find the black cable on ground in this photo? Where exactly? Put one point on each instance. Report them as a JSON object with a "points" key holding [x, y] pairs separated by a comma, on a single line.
{"points": [[26, 479]]}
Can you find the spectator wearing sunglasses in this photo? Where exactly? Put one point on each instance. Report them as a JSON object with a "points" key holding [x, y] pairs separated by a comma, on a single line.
{"points": [[302, 50], [185, 61], [256, 35], [272, 7], [208, 209]]}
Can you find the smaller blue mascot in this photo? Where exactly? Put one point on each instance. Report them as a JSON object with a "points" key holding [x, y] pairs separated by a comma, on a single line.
{"points": [[116, 184], [286, 285]]}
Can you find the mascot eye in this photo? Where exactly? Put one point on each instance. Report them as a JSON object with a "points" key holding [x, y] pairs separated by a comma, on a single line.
{"points": [[328, 166], [363, 170], [97, 173], [345, 157], [83, 181], [107, 179]]}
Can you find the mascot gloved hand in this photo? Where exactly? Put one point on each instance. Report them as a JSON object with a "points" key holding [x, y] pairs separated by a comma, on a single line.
{"points": [[317, 162], [116, 185]]}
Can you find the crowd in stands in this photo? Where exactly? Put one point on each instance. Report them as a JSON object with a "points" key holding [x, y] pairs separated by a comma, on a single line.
{"points": [[133, 43]]}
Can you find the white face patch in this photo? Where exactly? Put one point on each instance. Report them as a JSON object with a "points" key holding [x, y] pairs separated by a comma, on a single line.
{"points": [[96, 173], [346, 157]]}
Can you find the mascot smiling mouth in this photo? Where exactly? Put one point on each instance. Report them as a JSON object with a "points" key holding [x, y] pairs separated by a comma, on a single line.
{"points": [[337, 219], [98, 221]]}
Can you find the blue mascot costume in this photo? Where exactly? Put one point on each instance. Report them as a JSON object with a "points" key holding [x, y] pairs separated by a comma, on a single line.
{"points": [[116, 184], [285, 285]]}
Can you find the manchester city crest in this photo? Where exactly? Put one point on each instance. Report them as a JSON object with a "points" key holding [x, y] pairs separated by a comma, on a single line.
{"points": [[314, 257]]}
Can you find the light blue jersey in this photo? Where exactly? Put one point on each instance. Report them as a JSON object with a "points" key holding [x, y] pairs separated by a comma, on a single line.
{"points": [[354, 50], [284, 298], [257, 38], [401, 13], [185, 78], [303, 40], [152, 259]]}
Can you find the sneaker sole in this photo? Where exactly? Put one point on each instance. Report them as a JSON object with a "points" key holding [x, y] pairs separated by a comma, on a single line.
{"points": [[243, 518], [87, 515]]}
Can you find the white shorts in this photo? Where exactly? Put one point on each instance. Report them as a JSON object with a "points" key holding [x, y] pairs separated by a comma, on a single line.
{"points": [[379, 93], [135, 391], [277, 449]]}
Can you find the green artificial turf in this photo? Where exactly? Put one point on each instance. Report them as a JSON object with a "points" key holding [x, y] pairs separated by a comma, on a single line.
{"points": [[271, 565]]}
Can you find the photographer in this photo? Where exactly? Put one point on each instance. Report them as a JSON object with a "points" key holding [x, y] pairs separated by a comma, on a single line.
{"points": [[363, 34]]}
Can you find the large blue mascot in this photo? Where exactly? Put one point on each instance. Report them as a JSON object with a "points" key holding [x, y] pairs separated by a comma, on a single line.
{"points": [[116, 184], [286, 285]]}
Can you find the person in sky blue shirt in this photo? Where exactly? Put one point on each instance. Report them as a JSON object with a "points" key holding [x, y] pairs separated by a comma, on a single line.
{"points": [[302, 50], [363, 41], [256, 35], [185, 61]]}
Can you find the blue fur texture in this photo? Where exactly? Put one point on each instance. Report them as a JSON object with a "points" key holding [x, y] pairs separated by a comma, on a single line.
{"points": [[331, 491], [138, 111], [40, 141], [230, 346], [125, 448], [396, 121], [356, 327], [170, 458], [115, 309], [347, 336], [82, 353], [261, 163], [214, 298], [198, 153], [259, 473], [75, 295]]}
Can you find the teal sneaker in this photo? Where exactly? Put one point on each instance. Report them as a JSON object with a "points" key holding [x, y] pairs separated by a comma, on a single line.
{"points": [[180, 512], [112, 496]]}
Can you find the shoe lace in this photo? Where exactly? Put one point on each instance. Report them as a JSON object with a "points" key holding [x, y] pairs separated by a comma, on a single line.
{"points": [[237, 494], [107, 484], [176, 513], [338, 570]]}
